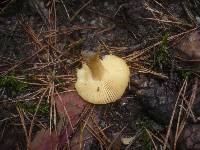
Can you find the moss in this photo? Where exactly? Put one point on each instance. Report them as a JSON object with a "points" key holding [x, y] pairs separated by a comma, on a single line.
{"points": [[161, 58], [10, 83], [31, 107], [185, 73], [142, 125]]}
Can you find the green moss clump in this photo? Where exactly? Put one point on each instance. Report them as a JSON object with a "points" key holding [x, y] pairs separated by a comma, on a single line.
{"points": [[185, 74], [142, 125], [31, 107], [10, 83], [161, 58]]}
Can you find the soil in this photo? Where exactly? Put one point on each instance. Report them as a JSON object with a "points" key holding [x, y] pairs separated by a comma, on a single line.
{"points": [[119, 27]]}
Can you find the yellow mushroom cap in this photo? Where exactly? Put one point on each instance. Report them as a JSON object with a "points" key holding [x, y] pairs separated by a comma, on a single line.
{"points": [[103, 81]]}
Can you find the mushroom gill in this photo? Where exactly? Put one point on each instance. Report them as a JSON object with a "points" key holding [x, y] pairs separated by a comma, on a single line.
{"points": [[102, 81]]}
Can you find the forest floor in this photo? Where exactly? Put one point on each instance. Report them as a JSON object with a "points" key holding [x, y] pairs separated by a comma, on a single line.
{"points": [[41, 43]]}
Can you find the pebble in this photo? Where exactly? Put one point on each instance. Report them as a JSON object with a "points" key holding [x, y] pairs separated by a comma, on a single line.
{"points": [[127, 140]]}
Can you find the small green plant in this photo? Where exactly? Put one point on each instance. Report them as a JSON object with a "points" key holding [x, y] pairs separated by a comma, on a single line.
{"points": [[184, 73], [10, 83], [142, 125], [31, 107], [161, 58]]}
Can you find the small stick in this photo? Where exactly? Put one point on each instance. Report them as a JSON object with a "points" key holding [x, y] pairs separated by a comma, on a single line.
{"points": [[76, 13]]}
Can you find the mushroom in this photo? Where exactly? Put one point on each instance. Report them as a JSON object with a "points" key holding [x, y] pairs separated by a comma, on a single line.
{"points": [[102, 81]]}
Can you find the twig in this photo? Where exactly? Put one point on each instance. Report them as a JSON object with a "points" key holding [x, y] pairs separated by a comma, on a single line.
{"points": [[144, 51], [23, 61], [32, 121], [65, 9], [78, 11], [111, 144], [172, 116], [183, 122], [150, 136], [66, 112], [23, 123], [132, 141]]}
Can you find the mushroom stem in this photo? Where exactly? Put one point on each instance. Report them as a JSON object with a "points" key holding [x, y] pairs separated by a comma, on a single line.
{"points": [[94, 63]]}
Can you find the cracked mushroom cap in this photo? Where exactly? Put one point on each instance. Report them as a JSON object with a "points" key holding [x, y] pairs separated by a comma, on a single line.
{"points": [[102, 81]]}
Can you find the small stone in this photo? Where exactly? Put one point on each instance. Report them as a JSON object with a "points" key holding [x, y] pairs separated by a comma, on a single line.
{"points": [[198, 20], [93, 22], [82, 19], [127, 140], [5, 96], [106, 4], [8, 22], [144, 85]]}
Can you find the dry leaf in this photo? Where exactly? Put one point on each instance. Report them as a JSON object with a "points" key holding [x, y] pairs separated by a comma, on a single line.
{"points": [[69, 106], [45, 140], [69, 103], [191, 44]]}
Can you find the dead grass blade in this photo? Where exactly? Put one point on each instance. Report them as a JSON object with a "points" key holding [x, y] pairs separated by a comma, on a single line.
{"points": [[162, 12], [115, 139], [32, 121], [173, 114], [79, 10], [141, 69], [181, 124], [137, 135], [20, 112], [66, 113], [150, 136]]}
